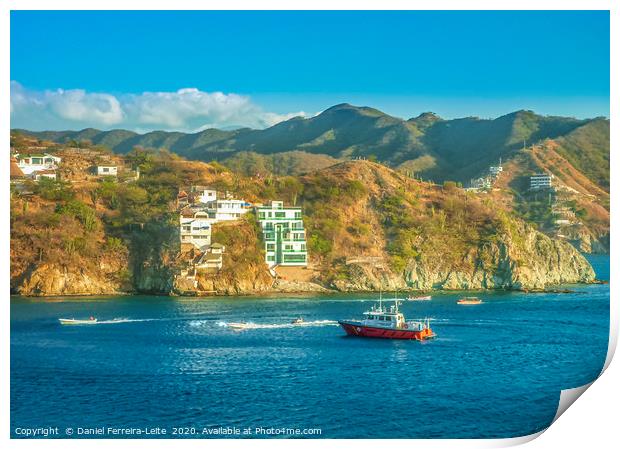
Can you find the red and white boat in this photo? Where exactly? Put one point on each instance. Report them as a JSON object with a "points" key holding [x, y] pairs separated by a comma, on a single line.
{"points": [[383, 322]]}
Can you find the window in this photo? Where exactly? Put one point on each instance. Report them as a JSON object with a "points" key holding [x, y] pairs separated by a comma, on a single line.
{"points": [[298, 214], [303, 247], [271, 247], [288, 247], [106, 169], [297, 258], [271, 258], [37, 160], [280, 214], [261, 216]]}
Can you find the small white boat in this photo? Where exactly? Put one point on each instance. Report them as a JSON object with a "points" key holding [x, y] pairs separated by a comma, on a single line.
{"points": [[73, 321], [419, 298], [299, 320], [238, 326]]}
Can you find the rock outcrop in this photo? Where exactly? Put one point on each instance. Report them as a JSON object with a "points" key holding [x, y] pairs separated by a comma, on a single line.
{"points": [[536, 262], [53, 280]]}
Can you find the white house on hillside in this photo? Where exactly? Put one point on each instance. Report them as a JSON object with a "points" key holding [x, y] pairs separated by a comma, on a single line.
{"points": [[195, 227], [106, 170], [30, 163], [226, 210]]}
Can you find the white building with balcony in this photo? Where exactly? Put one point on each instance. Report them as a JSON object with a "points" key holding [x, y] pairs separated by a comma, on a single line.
{"points": [[195, 227], [284, 235], [226, 210], [30, 163], [541, 181]]}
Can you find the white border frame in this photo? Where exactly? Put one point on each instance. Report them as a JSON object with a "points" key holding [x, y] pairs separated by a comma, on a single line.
{"points": [[596, 410]]}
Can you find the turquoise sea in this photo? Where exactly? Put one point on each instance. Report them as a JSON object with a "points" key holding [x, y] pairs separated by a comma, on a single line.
{"points": [[494, 370]]}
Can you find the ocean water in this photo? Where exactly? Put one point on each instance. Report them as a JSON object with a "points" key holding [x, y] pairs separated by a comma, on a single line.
{"points": [[494, 370]]}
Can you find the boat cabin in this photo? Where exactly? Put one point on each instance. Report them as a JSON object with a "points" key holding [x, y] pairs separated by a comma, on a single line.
{"points": [[383, 318]]}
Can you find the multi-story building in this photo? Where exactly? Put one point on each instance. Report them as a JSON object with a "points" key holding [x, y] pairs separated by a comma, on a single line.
{"points": [[541, 181], [195, 226], [284, 235]]}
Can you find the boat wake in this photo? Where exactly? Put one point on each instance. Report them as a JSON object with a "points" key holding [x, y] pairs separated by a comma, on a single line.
{"points": [[251, 325], [124, 320]]}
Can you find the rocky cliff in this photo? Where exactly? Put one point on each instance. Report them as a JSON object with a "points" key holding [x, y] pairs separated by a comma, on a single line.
{"points": [[536, 264]]}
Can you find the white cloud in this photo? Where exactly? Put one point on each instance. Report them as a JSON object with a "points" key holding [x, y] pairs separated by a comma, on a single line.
{"points": [[184, 110]]}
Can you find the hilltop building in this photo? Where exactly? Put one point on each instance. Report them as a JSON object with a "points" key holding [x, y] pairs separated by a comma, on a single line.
{"points": [[541, 181], [495, 170], [484, 183], [283, 234]]}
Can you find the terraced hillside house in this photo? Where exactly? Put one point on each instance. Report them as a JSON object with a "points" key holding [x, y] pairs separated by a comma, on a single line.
{"points": [[283, 234], [30, 163]]}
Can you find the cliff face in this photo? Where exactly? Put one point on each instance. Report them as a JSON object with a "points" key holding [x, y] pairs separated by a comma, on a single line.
{"points": [[47, 279], [536, 263]]}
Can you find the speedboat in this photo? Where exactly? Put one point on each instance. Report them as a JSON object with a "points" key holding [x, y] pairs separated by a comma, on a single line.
{"points": [[469, 300], [419, 298], [299, 320], [73, 321], [383, 322]]}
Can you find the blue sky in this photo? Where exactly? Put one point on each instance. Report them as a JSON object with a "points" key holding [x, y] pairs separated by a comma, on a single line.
{"points": [[191, 70]]}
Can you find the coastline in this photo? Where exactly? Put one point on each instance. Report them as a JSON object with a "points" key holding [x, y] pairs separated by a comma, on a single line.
{"points": [[555, 289]]}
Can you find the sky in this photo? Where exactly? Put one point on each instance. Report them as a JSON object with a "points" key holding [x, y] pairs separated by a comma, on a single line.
{"points": [[188, 71]]}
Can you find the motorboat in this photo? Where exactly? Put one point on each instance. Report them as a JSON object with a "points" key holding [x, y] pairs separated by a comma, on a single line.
{"points": [[387, 322], [73, 321], [299, 320], [419, 298], [469, 300]]}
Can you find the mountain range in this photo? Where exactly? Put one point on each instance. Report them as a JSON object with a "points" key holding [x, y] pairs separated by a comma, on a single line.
{"points": [[428, 145]]}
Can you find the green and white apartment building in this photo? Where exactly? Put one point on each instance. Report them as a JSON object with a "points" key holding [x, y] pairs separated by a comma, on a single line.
{"points": [[283, 234]]}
